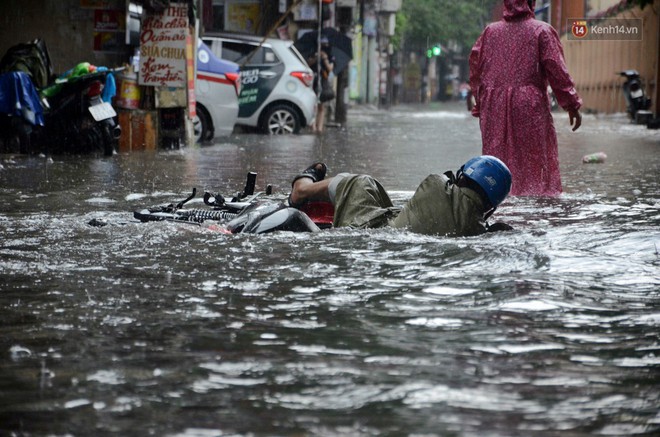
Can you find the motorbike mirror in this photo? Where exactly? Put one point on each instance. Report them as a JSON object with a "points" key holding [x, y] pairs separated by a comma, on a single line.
{"points": [[629, 73]]}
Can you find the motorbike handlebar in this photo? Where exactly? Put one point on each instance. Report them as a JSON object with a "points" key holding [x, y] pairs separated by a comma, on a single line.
{"points": [[94, 75]]}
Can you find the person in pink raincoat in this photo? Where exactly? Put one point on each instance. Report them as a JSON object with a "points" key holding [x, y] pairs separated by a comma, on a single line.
{"points": [[511, 65]]}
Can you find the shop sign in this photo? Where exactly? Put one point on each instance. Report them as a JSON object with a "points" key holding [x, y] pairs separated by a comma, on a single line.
{"points": [[163, 47], [109, 20], [109, 30], [306, 10]]}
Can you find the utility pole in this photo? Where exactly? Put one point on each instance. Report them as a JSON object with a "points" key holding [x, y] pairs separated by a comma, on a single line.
{"points": [[341, 108]]}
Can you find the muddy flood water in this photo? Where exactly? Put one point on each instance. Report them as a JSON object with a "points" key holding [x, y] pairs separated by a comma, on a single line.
{"points": [[171, 329]]}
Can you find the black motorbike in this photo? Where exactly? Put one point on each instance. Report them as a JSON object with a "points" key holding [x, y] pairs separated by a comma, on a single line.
{"points": [[636, 100], [21, 113], [24, 69], [246, 213], [77, 120]]}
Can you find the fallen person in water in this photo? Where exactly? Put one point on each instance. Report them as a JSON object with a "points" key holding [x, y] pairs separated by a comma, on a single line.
{"points": [[445, 204]]}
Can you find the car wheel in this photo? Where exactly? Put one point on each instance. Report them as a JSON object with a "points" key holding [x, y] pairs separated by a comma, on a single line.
{"points": [[202, 125], [281, 120]]}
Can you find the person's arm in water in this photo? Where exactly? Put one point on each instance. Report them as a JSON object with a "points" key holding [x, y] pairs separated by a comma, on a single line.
{"points": [[498, 227]]}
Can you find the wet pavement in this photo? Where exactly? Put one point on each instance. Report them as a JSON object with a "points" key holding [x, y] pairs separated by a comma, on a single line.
{"points": [[178, 330]]}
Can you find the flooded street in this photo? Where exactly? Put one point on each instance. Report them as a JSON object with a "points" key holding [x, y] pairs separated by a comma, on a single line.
{"points": [[171, 329]]}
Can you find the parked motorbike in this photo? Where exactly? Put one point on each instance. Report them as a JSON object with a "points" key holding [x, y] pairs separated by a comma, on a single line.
{"points": [[24, 69], [77, 114], [636, 100], [21, 113], [78, 118]]}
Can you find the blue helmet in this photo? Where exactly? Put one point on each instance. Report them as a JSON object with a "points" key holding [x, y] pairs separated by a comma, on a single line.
{"points": [[491, 174]]}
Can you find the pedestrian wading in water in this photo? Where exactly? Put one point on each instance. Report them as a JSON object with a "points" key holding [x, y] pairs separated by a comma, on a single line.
{"points": [[511, 65], [442, 204], [327, 64]]}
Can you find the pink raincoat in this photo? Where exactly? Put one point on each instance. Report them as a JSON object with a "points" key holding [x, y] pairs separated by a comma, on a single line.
{"points": [[511, 65]]}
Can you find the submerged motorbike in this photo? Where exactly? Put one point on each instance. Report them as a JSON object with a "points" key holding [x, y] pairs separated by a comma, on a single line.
{"points": [[636, 100], [76, 109], [246, 213]]}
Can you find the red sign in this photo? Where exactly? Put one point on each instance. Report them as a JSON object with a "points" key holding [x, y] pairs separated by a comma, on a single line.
{"points": [[190, 64], [579, 29]]}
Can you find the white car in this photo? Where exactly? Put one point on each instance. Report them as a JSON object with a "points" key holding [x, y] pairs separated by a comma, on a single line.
{"points": [[216, 93], [276, 83]]}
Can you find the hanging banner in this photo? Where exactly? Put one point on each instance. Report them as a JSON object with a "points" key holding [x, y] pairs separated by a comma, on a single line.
{"points": [[163, 47]]}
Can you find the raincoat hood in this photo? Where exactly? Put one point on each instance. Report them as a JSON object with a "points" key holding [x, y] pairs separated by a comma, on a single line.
{"points": [[515, 10]]}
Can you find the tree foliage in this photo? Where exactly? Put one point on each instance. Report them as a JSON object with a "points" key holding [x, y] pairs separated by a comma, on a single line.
{"points": [[423, 23], [642, 3]]}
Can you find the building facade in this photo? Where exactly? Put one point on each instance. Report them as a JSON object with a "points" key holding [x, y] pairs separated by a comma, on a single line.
{"points": [[98, 31]]}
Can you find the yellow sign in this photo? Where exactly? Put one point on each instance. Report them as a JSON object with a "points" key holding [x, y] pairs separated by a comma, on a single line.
{"points": [[242, 17]]}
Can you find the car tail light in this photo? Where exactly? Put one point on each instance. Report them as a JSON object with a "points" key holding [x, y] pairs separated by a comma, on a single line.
{"points": [[94, 89], [235, 78], [305, 77]]}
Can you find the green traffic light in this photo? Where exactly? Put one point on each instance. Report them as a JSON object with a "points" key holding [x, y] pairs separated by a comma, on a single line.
{"points": [[437, 50], [429, 53]]}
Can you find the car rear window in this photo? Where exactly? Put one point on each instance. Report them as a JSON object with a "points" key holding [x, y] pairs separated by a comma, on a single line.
{"points": [[248, 54], [297, 54]]}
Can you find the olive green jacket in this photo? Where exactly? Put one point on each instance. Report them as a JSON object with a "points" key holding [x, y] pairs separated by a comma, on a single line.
{"points": [[438, 207]]}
